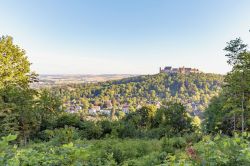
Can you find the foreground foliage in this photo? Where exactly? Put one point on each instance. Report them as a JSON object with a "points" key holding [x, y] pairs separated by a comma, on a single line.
{"points": [[186, 150]]}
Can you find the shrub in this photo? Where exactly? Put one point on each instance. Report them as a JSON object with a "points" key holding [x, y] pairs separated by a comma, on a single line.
{"points": [[7, 151], [90, 130], [106, 127], [67, 119], [170, 145], [60, 135]]}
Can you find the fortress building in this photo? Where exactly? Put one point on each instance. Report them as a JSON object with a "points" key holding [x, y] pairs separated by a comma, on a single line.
{"points": [[182, 70]]}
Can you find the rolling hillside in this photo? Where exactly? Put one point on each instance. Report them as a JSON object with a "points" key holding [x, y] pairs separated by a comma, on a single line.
{"points": [[193, 90]]}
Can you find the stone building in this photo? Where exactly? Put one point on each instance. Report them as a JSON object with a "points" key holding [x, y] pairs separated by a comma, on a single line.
{"points": [[182, 70]]}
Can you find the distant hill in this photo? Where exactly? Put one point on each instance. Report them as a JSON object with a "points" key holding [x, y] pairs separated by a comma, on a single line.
{"points": [[62, 79], [193, 90]]}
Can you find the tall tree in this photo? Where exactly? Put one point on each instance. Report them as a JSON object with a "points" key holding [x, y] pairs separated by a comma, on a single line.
{"points": [[238, 81], [14, 65], [147, 114], [113, 110], [174, 118], [231, 111], [16, 98], [48, 106]]}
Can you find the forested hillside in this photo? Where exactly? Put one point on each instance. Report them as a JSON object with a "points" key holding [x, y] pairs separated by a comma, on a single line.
{"points": [[193, 90]]}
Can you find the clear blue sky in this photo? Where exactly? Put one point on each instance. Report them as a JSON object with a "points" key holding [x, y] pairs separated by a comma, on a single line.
{"points": [[124, 36]]}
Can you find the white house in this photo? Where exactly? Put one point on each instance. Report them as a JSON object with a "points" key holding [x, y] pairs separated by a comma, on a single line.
{"points": [[158, 104], [105, 112], [125, 109], [139, 106], [78, 108], [92, 111], [97, 108]]}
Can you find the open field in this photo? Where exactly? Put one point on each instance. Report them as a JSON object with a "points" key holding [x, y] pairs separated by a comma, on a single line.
{"points": [[62, 79]]}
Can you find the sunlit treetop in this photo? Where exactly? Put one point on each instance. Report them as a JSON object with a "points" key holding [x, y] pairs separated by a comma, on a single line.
{"points": [[14, 64]]}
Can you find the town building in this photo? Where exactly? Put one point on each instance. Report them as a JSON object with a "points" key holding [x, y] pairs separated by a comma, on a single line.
{"points": [[97, 108], [182, 70], [158, 104], [92, 111], [109, 104], [105, 112], [125, 108]]}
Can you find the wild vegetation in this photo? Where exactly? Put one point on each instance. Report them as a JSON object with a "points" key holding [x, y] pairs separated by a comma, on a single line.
{"points": [[35, 129]]}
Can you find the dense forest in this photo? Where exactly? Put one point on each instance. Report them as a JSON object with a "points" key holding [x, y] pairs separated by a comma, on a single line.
{"points": [[36, 130], [192, 90]]}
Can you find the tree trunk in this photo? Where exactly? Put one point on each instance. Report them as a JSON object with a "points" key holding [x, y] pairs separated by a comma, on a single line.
{"points": [[242, 114], [234, 122], [234, 117]]}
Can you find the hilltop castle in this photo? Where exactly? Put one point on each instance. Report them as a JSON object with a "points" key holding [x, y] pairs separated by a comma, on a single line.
{"points": [[182, 70]]}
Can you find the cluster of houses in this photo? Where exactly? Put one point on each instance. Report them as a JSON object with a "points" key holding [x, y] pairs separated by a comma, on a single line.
{"points": [[95, 110], [182, 70], [73, 106], [76, 106]]}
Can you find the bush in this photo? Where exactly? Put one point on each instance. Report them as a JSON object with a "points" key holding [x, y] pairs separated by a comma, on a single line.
{"points": [[90, 130], [218, 150], [67, 119], [127, 130], [156, 133], [170, 145], [48, 155], [106, 127], [7, 152], [223, 151], [60, 136]]}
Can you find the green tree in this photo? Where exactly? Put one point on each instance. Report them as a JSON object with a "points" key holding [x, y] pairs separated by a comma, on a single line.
{"points": [[85, 104], [17, 105], [113, 110], [147, 114], [14, 65], [16, 98], [196, 122], [238, 80], [174, 118], [48, 107], [230, 112]]}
